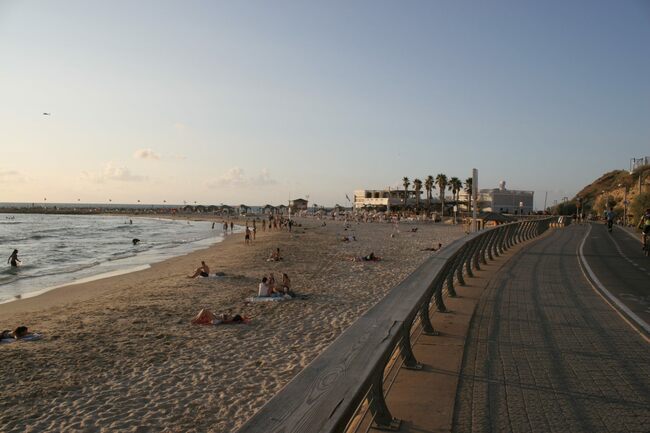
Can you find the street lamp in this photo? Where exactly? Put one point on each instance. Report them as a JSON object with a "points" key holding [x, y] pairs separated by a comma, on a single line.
{"points": [[625, 203]]}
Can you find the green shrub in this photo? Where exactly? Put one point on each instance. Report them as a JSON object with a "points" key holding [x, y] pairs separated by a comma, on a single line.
{"points": [[638, 206]]}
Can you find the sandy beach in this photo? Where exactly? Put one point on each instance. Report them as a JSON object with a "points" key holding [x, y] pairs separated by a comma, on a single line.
{"points": [[120, 354]]}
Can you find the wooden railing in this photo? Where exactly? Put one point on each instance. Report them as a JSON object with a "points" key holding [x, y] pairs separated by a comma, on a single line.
{"points": [[325, 396]]}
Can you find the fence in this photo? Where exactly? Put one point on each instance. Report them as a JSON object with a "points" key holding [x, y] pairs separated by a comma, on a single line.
{"points": [[325, 396]]}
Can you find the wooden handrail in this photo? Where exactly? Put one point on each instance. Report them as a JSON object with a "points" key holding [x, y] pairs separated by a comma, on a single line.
{"points": [[325, 395]]}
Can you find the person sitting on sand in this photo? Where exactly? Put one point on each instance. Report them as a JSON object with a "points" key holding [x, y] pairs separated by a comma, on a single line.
{"points": [[433, 248], [271, 284], [13, 259], [202, 270], [18, 333], [286, 286], [207, 317], [264, 290], [275, 256]]}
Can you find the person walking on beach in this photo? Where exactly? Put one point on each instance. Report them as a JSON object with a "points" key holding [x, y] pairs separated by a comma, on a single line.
{"points": [[13, 259], [202, 270], [231, 226], [247, 237]]}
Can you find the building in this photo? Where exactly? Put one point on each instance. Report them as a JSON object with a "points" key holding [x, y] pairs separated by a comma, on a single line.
{"points": [[298, 205], [384, 199], [503, 200]]}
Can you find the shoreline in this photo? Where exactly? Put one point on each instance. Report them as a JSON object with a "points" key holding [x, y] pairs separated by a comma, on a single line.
{"points": [[127, 267], [120, 353], [48, 297]]}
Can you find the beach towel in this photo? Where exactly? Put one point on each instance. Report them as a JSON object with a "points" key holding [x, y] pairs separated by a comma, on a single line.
{"points": [[244, 321], [275, 298], [32, 337]]}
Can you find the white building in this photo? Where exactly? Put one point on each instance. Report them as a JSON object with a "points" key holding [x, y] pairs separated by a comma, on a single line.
{"points": [[384, 198], [504, 200]]}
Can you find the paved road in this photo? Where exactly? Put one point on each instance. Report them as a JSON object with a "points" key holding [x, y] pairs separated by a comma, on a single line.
{"points": [[619, 264], [545, 353]]}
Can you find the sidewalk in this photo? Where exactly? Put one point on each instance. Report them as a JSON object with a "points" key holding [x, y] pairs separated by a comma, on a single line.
{"points": [[541, 352]]}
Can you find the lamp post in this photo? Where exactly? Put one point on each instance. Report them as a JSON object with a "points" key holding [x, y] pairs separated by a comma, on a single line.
{"points": [[624, 204]]}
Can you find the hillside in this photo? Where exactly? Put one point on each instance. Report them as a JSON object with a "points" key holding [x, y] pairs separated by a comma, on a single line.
{"points": [[611, 189]]}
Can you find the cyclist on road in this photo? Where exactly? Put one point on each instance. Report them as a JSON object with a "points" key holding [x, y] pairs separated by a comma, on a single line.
{"points": [[644, 225], [610, 215]]}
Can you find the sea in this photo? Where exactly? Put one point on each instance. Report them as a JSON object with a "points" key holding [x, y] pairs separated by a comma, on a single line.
{"points": [[56, 250]]}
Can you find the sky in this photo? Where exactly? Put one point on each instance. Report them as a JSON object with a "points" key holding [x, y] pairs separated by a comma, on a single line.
{"points": [[260, 102]]}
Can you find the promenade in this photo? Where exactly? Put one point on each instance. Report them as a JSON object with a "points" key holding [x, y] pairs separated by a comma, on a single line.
{"points": [[546, 353]]}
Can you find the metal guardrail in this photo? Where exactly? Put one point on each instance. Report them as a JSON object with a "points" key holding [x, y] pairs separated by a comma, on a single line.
{"points": [[325, 396]]}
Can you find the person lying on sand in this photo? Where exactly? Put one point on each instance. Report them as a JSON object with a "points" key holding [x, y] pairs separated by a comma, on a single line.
{"points": [[202, 270], [432, 248], [207, 317], [18, 333], [367, 258], [414, 229], [348, 238]]}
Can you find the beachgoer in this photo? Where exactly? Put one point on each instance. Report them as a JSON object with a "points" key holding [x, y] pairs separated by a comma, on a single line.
{"points": [[271, 283], [367, 258], [130, 221], [202, 270], [247, 236], [263, 289], [18, 333], [135, 241], [213, 225], [433, 248], [13, 259], [275, 256], [286, 286], [232, 225], [207, 317]]}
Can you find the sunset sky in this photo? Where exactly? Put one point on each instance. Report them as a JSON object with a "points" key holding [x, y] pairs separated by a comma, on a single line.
{"points": [[257, 102]]}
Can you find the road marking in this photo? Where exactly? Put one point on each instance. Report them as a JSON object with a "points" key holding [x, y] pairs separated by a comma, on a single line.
{"points": [[618, 248], [605, 294]]}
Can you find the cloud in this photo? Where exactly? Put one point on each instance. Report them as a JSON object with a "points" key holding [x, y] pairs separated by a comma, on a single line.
{"points": [[112, 173], [235, 177], [146, 154], [11, 176]]}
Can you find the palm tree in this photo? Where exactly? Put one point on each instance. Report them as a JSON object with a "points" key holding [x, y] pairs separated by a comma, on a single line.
{"points": [[455, 186], [406, 182], [428, 186], [417, 186], [468, 190], [441, 181]]}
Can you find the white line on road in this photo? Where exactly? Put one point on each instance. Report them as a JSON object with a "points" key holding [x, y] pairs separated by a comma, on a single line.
{"points": [[601, 290]]}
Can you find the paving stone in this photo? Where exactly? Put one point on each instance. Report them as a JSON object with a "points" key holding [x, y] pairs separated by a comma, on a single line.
{"points": [[544, 352]]}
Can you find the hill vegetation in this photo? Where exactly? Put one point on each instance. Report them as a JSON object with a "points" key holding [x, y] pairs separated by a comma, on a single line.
{"points": [[613, 189]]}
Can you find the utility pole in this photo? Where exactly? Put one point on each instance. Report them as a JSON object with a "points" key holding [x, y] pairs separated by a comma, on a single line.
{"points": [[474, 197]]}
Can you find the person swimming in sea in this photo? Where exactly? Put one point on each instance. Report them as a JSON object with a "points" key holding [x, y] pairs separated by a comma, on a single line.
{"points": [[13, 259], [135, 241]]}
